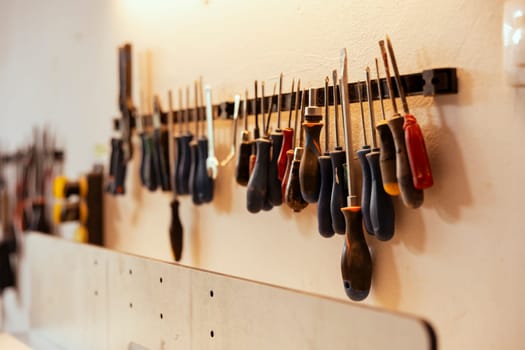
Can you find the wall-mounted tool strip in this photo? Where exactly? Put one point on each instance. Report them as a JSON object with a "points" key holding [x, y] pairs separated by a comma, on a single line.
{"points": [[430, 82]]}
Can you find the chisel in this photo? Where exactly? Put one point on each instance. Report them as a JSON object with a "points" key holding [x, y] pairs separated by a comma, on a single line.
{"points": [[324, 216], [242, 168], [356, 263], [414, 140], [338, 159], [412, 197], [381, 207], [175, 229]]}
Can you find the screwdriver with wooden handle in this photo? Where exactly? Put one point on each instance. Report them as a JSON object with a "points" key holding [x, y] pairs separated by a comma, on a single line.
{"points": [[324, 216], [381, 207], [242, 167], [411, 196], [356, 263], [414, 140], [287, 138], [274, 193], [292, 133], [338, 159], [175, 229], [182, 172]]}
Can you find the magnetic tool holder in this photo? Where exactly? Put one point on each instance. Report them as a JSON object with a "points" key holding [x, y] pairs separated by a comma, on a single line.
{"points": [[431, 82]]}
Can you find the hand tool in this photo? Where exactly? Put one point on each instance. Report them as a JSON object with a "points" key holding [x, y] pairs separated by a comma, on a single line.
{"points": [[177, 140], [414, 140], [338, 159], [147, 169], [412, 197], [39, 221], [309, 175], [242, 168], [256, 131], [175, 230], [274, 192], [324, 217], [267, 202], [286, 143], [204, 177], [233, 149], [194, 151], [387, 158], [161, 147], [356, 263], [182, 173], [381, 207], [365, 169], [289, 132], [212, 163], [294, 198], [258, 183]]}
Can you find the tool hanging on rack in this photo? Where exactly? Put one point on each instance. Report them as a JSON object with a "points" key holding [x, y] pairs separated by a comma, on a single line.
{"points": [[148, 176], [291, 133], [274, 193], [194, 151], [206, 164], [412, 197], [242, 167], [233, 149], [287, 138], [356, 263], [324, 217]]}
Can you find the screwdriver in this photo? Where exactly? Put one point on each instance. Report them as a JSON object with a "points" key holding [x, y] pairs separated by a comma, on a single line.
{"points": [[194, 151], [338, 159], [176, 140], [356, 263], [381, 207], [257, 185], [309, 175], [287, 139], [414, 140], [294, 198], [147, 175], [274, 193], [412, 197], [256, 131], [175, 229], [266, 124], [242, 168], [324, 216], [204, 179], [365, 169], [233, 149], [161, 147], [289, 132], [182, 172]]}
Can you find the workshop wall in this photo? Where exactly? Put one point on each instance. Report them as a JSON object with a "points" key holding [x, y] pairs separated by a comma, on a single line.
{"points": [[456, 261]]}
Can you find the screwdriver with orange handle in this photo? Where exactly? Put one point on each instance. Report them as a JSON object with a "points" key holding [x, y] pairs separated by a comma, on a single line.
{"points": [[414, 140], [356, 262], [411, 196]]}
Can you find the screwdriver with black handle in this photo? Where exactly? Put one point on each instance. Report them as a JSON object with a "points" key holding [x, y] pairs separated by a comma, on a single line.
{"points": [[309, 174], [256, 130], [411, 196], [356, 262], [274, 193], [382, 215], [290, 133], [324, 216], [175, 230], [365, 169], [338, 159], [194, 151], [268, 205], [414, 140], [242, 166], [205, 184], [147, 168], [161, 141], [183, 165]]}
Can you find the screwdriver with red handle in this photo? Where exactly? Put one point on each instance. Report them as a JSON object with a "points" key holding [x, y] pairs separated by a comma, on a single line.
{"points": [[414, 140], [356, 262], [292, 133], [287, 138]]}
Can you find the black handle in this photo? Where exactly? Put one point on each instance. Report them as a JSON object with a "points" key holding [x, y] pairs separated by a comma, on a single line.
{"points": [[274, 193], [310, 178], [163, 149], [324, 216], [182, 172], [412, 197], [339, 191], [356, 263], [242, 168], [366, 188], [387, 159], [194, 152], [257, 185], [176, 231], [39, 221], [147, 167], [116, 184], [205, 183], [294, 198], [381, 205]]}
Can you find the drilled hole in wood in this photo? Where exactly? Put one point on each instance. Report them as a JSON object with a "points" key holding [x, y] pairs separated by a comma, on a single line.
{"points": [[96, 292], [131, 305], [95, 262], [211, 293], [161, 280], [212, 334], [130, 272], [161, 316]]}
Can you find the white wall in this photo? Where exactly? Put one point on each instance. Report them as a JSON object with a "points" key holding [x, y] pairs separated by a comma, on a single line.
{"points": [[457, 261]]}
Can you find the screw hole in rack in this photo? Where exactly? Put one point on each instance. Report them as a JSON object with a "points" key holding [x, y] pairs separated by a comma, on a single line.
{"points": [[131, 305], [130, 271], [161, 316], [212, 334], [211, 293], [161, 280]]}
